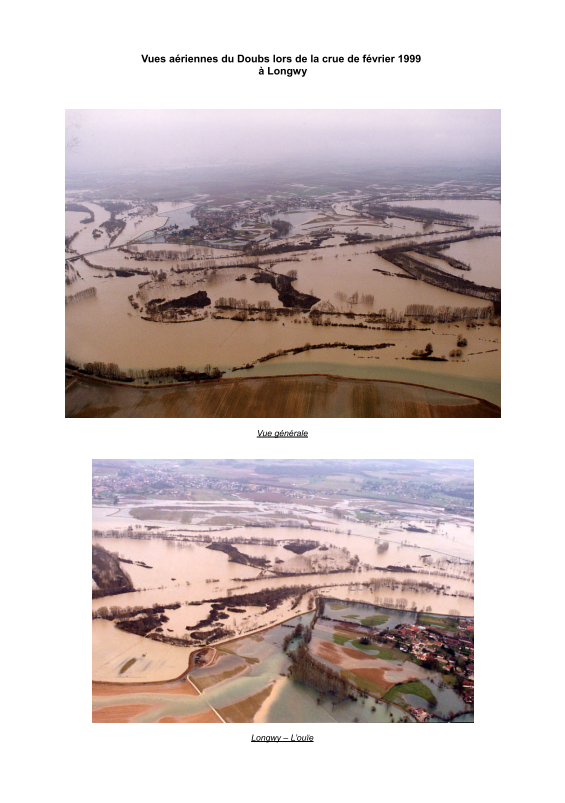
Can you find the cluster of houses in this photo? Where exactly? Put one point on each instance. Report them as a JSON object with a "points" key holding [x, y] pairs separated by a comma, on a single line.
{"points": [[449, 651], [168, 482], [172, 482], [213, 224]]}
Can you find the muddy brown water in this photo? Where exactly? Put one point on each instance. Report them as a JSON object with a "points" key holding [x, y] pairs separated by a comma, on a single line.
{"points": [[107, 328]]}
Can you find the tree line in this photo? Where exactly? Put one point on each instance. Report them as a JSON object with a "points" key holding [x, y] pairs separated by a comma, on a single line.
{"points": [[113, 371], [89, 292]]}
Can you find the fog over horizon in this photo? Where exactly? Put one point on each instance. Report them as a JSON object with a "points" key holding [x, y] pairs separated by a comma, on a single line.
{"points": [[108, 140]]}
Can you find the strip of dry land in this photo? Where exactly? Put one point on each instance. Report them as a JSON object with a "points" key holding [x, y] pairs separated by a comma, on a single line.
{"points": [[299, 396]]}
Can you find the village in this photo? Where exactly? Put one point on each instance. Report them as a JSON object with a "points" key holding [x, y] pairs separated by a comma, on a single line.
{"points": [[238, 224], [177, 481], [158, 481], [440, 647]]}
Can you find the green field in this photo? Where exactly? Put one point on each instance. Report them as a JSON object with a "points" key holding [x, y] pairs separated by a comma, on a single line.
{"points": [[370, 647], [443, 622], [375, 619], [413, 687], [391, 654]]}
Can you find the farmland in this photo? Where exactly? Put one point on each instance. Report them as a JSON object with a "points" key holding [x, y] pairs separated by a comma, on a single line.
{"points": [[274, 397]]}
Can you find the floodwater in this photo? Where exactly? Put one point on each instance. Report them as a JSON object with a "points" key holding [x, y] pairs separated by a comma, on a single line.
{"points": [[85, 242], [454, 536], [190, 572], [173, 563], [477, 374], [180, 217], [356, 613], [263, 667], [73, 222], [354, 269], [136, 225], [484, 257], [112, 648], [218, 284], [107, 328]]}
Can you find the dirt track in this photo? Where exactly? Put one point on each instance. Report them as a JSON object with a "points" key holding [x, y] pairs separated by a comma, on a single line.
{"points": [[317, 396]]}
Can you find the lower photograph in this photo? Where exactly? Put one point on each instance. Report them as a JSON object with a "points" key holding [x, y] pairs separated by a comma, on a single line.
{"points": [[283, 591]]}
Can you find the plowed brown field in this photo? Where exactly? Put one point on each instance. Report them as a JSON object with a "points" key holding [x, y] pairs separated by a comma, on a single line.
{"points": [[316, 396]]}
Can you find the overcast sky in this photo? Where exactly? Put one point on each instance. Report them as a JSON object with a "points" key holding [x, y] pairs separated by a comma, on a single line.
{"points": [[100, 139]]}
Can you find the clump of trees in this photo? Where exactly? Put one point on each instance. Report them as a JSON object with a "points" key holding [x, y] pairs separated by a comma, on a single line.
{"points": [[235, 556], [298, 630], [269, 598], [427, 352], [107, 574], [281, 228], [115, 207], [69, 207], [208, 636], [195, 300], [305, 669]]}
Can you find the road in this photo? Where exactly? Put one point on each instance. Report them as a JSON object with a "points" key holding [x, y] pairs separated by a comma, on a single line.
{"points": [[98, 251]]}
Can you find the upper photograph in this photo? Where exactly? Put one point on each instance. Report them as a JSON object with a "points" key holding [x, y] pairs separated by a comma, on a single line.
{"points": [[282, 263]]}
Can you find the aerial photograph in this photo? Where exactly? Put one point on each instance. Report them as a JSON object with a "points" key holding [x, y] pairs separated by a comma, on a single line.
{"points": [[283, 591], [283, 263]]}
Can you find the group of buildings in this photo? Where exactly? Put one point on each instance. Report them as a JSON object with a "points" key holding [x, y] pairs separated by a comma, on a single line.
{"points": [[450, 651]]}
